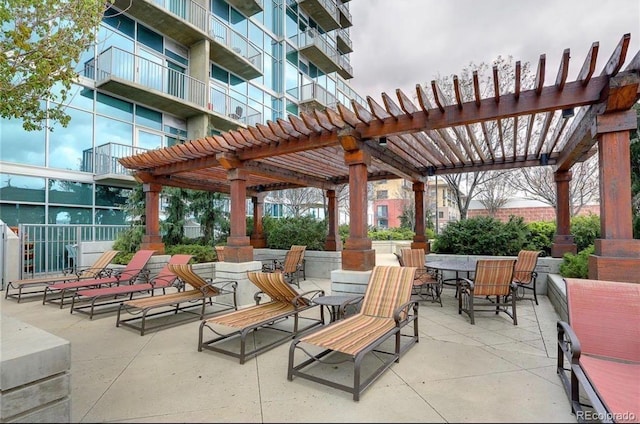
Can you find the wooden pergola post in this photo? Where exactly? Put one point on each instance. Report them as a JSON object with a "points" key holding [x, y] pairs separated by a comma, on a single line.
{"points": [[617, 254], [333, 242], [563, 241], [419, 239], [152, 240], [357, 254], [257, 235], [238, 248]]}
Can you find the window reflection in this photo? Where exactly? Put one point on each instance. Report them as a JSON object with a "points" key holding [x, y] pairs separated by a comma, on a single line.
{"points": [[73, 215], [13, 214], [111, 196], [66, 144], [21, 189], [112, 131], [31, 143], [70, 193]]}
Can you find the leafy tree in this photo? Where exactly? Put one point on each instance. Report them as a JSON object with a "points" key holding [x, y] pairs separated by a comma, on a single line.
{"points": [[207, 209], [176, 211], [42, 41]]}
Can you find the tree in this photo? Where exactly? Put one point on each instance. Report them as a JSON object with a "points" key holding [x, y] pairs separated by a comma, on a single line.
{"points": [[207, 209], [176, 212], [41, 42], [300, 200], [495, 193], [467, 186]]}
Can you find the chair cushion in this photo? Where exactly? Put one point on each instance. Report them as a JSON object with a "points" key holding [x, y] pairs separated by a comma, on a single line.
{"points": [[253, 314]]}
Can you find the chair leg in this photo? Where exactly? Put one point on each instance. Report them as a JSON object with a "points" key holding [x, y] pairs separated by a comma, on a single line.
{"points": [[535, 293]]}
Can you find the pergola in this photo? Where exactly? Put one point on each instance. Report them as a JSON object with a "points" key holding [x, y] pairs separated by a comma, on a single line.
{"points": [[415, 139]]}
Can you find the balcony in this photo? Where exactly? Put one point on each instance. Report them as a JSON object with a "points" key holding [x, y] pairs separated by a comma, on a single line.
{"points": [[248, 7], [227, 113], [313, 96], [233, 51], [142, 80], [324, 12], [185, 21], [345, 70], [345, 16], [317, 49], [343, 41], [103, 163]]}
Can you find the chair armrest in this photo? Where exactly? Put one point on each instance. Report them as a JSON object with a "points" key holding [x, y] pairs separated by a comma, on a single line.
{"points": [[465, 283], [343, 307], [402, 313], [313, 294], [259, 295], [224, 286], [568, 342]]}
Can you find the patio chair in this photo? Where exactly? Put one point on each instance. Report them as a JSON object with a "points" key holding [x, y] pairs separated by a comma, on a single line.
{"points": [[302, 262], [524, 274], [493, 277], [98, 269], [87, 300], [134, 270], [289, 267], [272, 315], [425, 285], [202, 293], [601, 343], [386, 310]]}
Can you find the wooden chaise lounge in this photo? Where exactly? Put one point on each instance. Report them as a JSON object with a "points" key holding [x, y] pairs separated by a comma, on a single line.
{"points": [[386, 310], [203, 292], [601, 343], [283, 314]]}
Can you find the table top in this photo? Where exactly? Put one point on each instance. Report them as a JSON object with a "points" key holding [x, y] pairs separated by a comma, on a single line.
{"points": [[335, 300], [450, 265]]}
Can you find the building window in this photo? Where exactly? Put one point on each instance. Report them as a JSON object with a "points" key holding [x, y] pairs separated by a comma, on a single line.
{"points": [[383, 211], [440, 214], [382, 194]]}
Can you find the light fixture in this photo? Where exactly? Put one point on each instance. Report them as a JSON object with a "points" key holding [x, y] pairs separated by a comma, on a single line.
{"points": [[382, 141], [567, 113], [544, 159], [431, 171]]}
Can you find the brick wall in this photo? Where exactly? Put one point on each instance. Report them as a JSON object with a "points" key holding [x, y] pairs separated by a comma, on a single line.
{"points": [[531, 214]]}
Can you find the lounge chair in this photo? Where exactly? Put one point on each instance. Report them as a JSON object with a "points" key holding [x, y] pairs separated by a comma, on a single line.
{"points": [[132, 271], [601, 343], [493, 277], [204, 290], [97, 270], [524, 273], [386, 310], [284, 303], [425, 285], [302, 263], [87, 300], [289, 267]]}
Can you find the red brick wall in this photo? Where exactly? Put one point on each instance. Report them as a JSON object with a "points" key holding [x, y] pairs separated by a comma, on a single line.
{"points": [[546, 213], [394, 207]]}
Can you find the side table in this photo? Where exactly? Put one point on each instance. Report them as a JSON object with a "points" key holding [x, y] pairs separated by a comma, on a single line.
{"points": [[335, 302]]}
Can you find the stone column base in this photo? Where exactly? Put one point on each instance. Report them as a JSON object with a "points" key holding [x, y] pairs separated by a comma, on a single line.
{"points": [[614, 269], [238, 254], [238, 272], [422, 245], [358, 260]]}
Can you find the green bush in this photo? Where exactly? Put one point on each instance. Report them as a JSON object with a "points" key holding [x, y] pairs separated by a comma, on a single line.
{"points": [[281, 233], [541, 236], [483, 236], [576, 266], [200, 253], [127, 243], [391, 234], [585, 229], [343, 230]]}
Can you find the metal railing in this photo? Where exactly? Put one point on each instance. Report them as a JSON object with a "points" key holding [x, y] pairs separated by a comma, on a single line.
{"points": [[313, 92], [344, 35], [188, 10], [104, 158], [345, 11], [115, 62], [51, 248], [329, 5], [224, 34], [226, 105], [311, 37]]}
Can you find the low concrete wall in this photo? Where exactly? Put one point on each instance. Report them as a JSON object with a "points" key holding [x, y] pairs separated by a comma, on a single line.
{"points": [[35, 378], [318, 263], [557, 293]]}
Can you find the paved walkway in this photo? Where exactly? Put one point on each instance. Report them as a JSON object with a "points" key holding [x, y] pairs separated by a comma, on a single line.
{"points": [[458, 372]]}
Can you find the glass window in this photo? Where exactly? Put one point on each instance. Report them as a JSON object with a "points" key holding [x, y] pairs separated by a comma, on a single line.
{"points": [[382, 194], [221, 9], [70, 192], [239, 22], [117, 20], [22, 189], [148, 118], [111, 196], [114, 108], [21, 214], [150, 38], [148, 140], [110, 217], [112, 131], [20, 146], [69, 215], [219, 74], [67, 144]]}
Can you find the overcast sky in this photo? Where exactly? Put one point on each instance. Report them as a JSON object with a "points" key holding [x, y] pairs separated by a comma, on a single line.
{"points": [[400, 43]]}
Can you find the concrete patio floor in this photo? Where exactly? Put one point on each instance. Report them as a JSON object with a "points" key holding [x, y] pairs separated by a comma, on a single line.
{"points": [[492, 371]]}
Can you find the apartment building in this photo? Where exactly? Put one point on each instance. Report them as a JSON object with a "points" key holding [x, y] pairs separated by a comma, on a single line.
{"points": [[164, 72], [392, 197]]}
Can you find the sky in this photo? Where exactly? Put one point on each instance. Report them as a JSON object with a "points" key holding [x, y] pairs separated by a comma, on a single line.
{"points": [[400, 43]]}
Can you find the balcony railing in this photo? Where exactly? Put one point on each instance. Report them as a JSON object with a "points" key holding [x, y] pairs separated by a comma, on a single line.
{"points": [[315, 95], [317, 48], [324, 12], [248, 7], [188, 10], [126, 66], [345, 16], [238, 45], [104, 158], [231, 109], [346, 70], [343, 41]]}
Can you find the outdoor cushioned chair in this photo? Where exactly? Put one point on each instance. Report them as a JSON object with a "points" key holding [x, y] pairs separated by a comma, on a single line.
{"points": [[425, 285], [524, 274], [283, 306], [98, 269], [134, 270], [493, 277], [289, 267], [386, 310], [203, 292], [601, 343], [302, 262], [87, 300]]}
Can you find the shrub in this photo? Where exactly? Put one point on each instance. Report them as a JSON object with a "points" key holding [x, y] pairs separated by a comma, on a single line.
{"points": [[585, 229], [283, 232], [541, 236], [391, 234], [127, 243], [200, 253], [576, 266]]}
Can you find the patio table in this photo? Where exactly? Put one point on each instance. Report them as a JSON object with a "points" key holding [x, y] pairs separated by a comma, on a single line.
{"points": [[450, 265], [334, 302]]}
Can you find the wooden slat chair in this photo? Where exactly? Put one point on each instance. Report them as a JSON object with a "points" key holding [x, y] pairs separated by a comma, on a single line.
{"points": [[493, 277], [524, 274], [202, 293], [425, 285], [289, 267], [87, 300], [133, 271], [98, 269], [302, 261], [386, 310], [601, 343], [282, 304]]}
